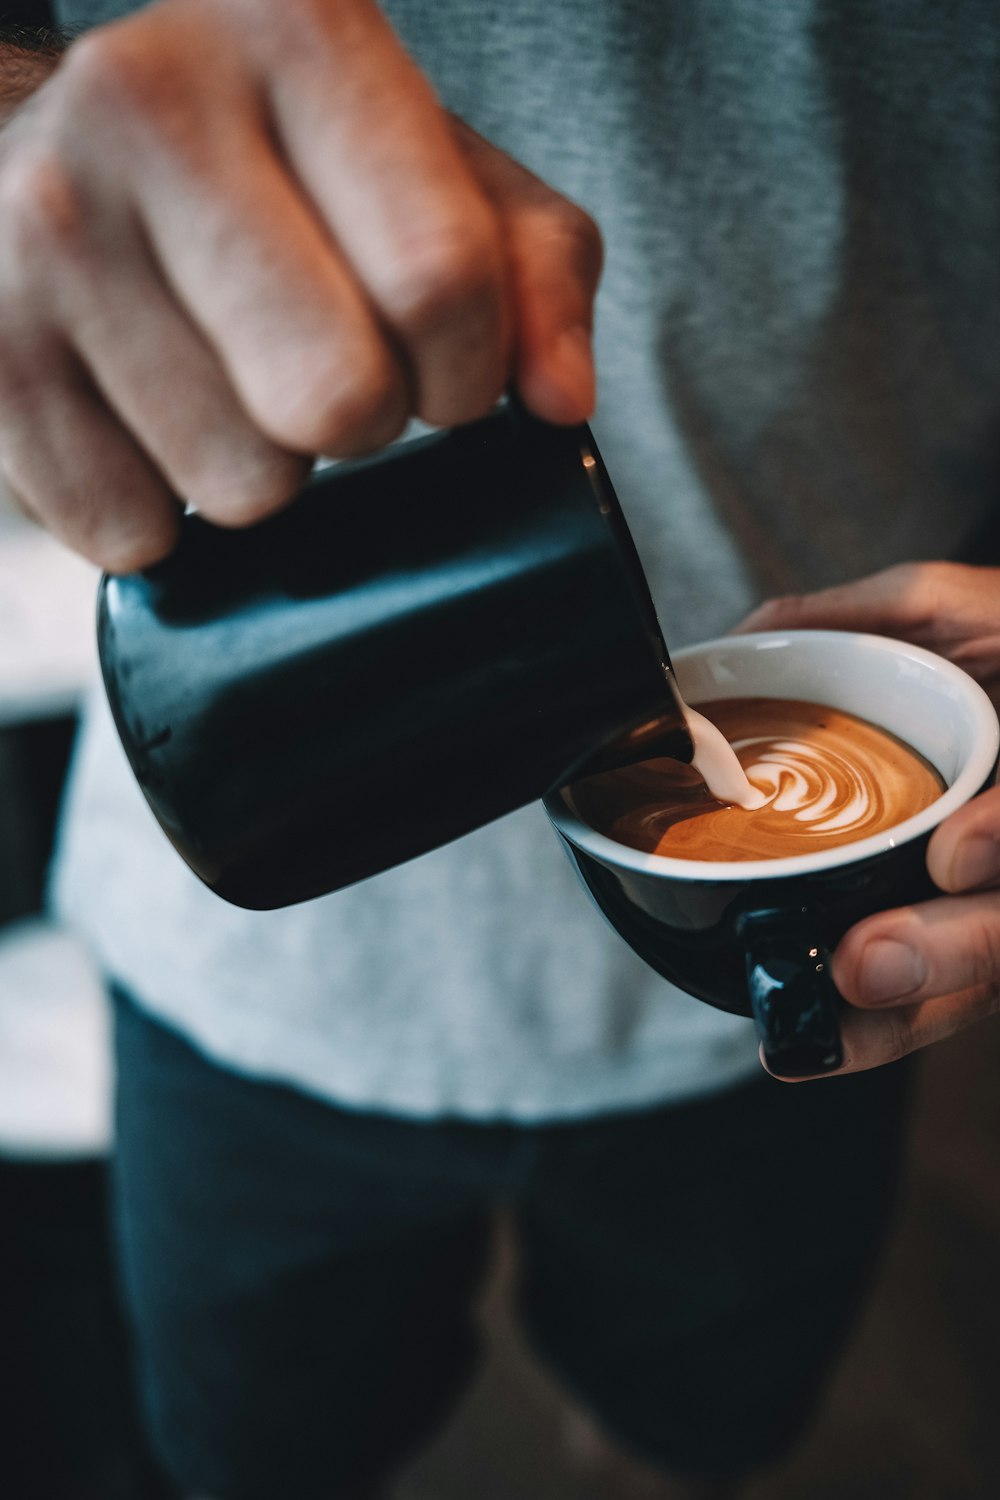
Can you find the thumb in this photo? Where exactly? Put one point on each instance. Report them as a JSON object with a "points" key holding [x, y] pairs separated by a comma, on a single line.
{"points": [[964, 852]]}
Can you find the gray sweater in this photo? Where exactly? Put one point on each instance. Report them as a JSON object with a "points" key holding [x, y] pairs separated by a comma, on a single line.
{"points": [[799, 377]]}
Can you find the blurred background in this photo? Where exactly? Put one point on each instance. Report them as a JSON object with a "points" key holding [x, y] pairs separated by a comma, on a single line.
{"points": [[912, 1411]]}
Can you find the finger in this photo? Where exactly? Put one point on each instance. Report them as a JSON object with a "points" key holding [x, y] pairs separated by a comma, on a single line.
{"points": [[75, 466], [555, 255], [871, 1039], [167, 386], [301, 347], [240, 246], [950, 608], [893, 598], [919, 952], [964, 852], [378, 157]]}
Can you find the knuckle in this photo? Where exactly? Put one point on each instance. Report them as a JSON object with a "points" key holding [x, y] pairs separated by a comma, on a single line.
{"points": [[782, 609], [124, 72], [43, 212], [913, 586], [100, 70], [338, 413], [438, 278]]}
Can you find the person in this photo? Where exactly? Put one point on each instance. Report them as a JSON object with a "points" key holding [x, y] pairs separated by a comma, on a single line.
{"points": [[237, 235]]}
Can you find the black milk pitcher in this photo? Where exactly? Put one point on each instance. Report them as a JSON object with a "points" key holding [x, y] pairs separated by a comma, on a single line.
{"points": [[418, 644]]}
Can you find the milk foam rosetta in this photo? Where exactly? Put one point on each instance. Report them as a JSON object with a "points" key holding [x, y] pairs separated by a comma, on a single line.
{"points": [[824, 778]]}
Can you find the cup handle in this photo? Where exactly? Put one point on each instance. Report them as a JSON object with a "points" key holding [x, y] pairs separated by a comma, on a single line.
{"points": [[793, 997]]}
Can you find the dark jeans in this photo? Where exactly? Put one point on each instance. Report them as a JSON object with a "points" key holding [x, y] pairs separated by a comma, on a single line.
{"points": [[300, 1277]]}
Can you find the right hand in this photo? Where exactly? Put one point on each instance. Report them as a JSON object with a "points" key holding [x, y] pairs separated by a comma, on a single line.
{"points": [[236, 233]]}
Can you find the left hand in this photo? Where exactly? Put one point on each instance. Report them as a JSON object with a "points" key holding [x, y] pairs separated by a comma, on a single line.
{"points": [[921, 973]]}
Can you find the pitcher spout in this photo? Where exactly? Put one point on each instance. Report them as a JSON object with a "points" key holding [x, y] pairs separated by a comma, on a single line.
{"points": [[666, 734]]}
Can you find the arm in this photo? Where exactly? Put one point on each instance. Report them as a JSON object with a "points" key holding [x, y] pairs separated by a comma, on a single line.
{"points": [[234, 234], [921, 973]]}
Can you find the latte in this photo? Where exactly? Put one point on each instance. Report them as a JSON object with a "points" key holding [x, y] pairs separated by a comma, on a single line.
{"points": [[825, 778]]}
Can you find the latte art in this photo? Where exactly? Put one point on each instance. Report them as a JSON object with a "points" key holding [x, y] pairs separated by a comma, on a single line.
{"points": [[814, 783], [824, 778]]}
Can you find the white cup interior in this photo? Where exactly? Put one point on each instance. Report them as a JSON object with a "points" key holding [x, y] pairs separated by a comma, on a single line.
{"points": [[925, 700]]}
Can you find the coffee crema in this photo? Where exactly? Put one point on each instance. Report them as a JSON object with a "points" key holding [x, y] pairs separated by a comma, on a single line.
{"points": [[827, 778]]}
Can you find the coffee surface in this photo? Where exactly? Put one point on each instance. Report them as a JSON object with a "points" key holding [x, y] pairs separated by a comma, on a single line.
{"points": [[827, 778]]}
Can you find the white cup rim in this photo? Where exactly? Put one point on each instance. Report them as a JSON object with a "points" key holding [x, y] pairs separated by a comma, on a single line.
{"points": [[970, 779]]}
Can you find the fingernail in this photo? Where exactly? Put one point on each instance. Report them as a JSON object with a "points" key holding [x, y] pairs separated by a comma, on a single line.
{"points": [[573, 363], [889, 971], [976, 863]]}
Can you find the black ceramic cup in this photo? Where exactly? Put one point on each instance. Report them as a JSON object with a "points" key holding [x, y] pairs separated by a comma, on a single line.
{"points": [[417, 645], [755, 937]]}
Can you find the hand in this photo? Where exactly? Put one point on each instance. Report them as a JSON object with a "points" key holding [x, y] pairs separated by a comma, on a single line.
{"points": [[921, 973], [234, 234]]}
